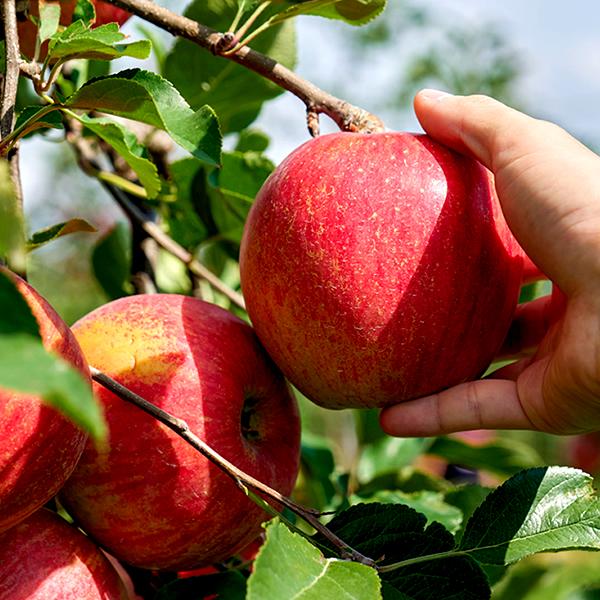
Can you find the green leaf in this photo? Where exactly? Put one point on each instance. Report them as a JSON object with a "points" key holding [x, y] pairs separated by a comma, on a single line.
{"points": [[38, 117], [577, 577], [235, 93], [430, 504], [389, 454], [233, 189], [466, 498], [127, 146], [355, 12], [171, 274], [318, 465], [15, 315], [146, 97], [111, 261], [230, 585], [12, 236], [288, 566], [49, 20], [27, 367], [252, 140], [502, 456], [43, 236], [395, 533], [538, 510], [183, 216], [100, 43], [84, 11]]}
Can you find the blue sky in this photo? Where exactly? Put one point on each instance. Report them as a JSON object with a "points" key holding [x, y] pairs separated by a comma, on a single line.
{"points": [[558, 43]]}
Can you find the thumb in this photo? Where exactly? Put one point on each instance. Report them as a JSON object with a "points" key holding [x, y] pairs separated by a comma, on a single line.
{"points": [[475, 125]]}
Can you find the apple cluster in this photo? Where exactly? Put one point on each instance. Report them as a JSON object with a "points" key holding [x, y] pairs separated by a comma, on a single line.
{"points": [[146, 497], [376, 268]]}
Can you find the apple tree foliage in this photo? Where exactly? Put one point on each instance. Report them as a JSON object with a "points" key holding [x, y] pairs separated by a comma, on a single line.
{"points": [[433, 531]]}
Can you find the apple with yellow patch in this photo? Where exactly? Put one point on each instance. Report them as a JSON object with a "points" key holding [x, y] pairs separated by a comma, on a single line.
{"points": [[151, 499]]}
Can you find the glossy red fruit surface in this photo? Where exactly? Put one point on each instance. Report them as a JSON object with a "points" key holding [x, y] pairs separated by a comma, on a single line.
{"points": [[379, 268], [152, 500], [45, 558], [39, 448]]}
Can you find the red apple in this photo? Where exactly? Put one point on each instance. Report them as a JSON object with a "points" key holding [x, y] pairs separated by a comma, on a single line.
{"points": [[583, 452], [152, 500], [45, 558], [105, 13], [378, 268], [39, 448]]}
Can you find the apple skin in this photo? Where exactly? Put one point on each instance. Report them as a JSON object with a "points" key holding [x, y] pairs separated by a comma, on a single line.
{"points": [[583, 452], [45, 558], [151, 500], [39, 448], [379, 268], [105, 13]]}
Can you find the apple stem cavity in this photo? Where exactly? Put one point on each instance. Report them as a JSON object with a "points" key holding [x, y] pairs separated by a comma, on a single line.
{"points": [[249, 419], [317, 101], [246, 483]]}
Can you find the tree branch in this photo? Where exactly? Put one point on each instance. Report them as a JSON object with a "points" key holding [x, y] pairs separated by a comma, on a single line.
{"points": [[89, 163], [241, 479], [317, 101], [9, 88]]}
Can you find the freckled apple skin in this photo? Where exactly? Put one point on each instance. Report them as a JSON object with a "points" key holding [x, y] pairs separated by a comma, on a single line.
{"points": [[378, 268], [45, 558], [152, 500], [39, 448]]}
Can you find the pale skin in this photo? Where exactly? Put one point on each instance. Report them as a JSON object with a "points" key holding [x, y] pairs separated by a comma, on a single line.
{"points": [[549, 188]]}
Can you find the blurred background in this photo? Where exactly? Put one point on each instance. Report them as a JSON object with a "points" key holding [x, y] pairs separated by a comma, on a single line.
{"points": [[541, 56]]}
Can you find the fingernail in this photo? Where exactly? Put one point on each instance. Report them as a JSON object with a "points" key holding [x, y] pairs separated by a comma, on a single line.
{"points": [[434, 95]]}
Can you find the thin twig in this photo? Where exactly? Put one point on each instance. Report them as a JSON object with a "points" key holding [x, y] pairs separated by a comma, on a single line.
{"points": [[347, 116], [171, 246], [90, 165], [9, 89], [11, 75], [242, 480]]}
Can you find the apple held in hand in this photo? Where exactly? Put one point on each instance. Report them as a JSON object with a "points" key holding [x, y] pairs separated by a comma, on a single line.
{"points": [[152, 500], [39, 448], [45, 558], [378, 268]]}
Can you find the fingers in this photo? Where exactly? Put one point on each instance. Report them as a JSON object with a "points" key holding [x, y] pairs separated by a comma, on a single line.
{"points": [[475, 125], [531, 272], [547, 181], [483, 404]]}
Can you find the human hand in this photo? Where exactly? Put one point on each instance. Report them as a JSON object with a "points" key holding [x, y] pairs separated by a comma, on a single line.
{"points": [[549, 188]]}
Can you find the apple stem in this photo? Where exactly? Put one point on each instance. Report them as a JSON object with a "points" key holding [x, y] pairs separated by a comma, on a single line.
{"points": [[9, 90], [242, 480], [317, 101]]}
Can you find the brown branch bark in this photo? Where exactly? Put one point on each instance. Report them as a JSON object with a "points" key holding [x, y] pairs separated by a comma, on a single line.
{"points": [[10, 85], [317, 101], [241, 479]]}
